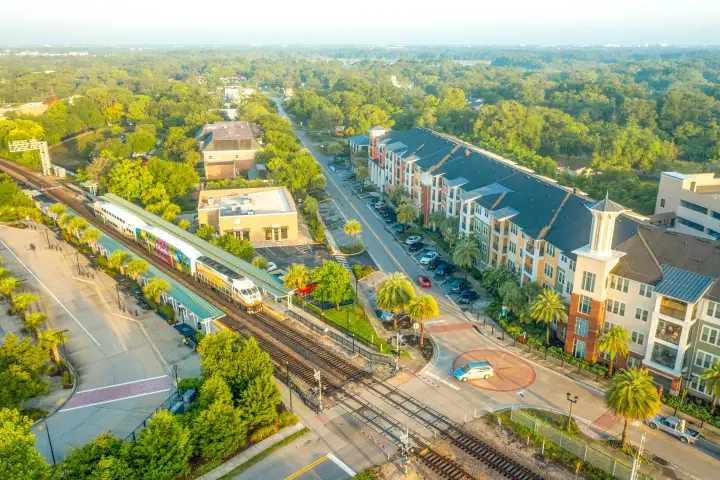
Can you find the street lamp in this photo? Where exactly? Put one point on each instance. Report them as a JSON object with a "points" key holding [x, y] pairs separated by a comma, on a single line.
{"points": [[47, 432], [347, 322], [573, 401], [287, 373], [62, 339]]}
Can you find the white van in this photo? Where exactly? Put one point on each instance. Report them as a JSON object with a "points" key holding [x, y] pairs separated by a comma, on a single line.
{"points": [[474, 371]]}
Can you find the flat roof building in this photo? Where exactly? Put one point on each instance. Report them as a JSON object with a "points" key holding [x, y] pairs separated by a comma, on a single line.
{"points": [[256, 214], [227, 148], [694, 200]]}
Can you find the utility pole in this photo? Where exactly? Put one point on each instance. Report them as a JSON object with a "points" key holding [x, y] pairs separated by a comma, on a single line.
{"points": [[47, 432], [636, 460], [572, 401], [319, 379]]}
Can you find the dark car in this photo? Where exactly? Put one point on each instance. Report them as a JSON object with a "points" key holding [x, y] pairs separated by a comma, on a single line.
{"points": [[435, 263], [400, 228], [468, 296], [350, 176], [458, 285], [445, 269], [390, 218], [416, 247]]}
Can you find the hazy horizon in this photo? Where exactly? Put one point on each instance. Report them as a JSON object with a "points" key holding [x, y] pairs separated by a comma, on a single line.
{"points": [[325, 22]]}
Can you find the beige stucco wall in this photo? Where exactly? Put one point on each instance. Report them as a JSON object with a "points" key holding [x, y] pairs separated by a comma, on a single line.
{"points": [[258, 222], [218, 164]]}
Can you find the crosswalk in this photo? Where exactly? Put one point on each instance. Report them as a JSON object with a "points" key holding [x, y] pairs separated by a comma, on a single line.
{"points": [[340, 258], [304, 248]]}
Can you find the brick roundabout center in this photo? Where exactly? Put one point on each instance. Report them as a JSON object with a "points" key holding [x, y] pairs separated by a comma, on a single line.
{"points": [[511, 372]]}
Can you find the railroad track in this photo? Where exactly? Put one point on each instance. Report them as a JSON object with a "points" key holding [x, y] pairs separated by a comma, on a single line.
{"points": [[245, 324], [442, 466]]}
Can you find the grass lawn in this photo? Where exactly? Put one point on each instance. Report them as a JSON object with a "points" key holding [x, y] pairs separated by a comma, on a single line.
{"points": [[188, 203]]}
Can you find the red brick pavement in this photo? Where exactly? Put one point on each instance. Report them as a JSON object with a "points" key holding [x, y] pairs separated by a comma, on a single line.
{"points": [[511, 371], [606, 421], [448, 328], [118, 392]]}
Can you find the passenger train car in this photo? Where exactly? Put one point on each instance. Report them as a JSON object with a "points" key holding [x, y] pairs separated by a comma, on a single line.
{"points": [[183, 256]]}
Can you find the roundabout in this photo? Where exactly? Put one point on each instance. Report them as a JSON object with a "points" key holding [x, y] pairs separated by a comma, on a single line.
{"points": [[511, 372]]}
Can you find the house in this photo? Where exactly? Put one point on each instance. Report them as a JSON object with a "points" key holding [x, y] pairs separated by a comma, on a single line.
{"points": [[694, 200], [475, 104], [661, 286], [359, 145], [256, 214], [227, 148]]}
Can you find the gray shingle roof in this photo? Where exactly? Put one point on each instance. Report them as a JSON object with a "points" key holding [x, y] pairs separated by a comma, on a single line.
{"points": [[682, 285], [608, 206]]}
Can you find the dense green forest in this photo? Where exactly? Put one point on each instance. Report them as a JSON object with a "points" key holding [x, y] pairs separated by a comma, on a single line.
{"points": [[619, 111]]}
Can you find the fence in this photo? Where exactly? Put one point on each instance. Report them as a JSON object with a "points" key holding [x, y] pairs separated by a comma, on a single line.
{"points": [[355, 347], [306, 399], [618, 469], [165, 405]]}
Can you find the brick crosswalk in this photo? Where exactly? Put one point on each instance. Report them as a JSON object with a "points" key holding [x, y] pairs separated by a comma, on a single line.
{"points": [[98, 396]]}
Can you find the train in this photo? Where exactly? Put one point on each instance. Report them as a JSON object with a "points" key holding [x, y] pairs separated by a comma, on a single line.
{"points": [[182, 256]]}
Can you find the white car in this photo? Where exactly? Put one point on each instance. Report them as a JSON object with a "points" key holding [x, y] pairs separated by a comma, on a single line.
{"points": [[271, 267], [412, 239], [429, 257]]}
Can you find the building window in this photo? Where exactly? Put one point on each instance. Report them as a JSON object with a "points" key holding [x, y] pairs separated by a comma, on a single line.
{"points": [[485, 229], [716, 215], [633, 362], [637, 338], [705, 360], [563, 258], [511, 265], [561, 277], [284, 233], [563, 331], [513, 229], [512, 246], [268, 233], [620, 284], [571, 265], [710, 335], [585, 305], [549, 270], [588, 281], [690, 224], [581, 327], [693, 206], [551, 250], [641, 314], [662, 203], [578, 348], [570, 287], [607, 326], [713, 309], [483, 247], [616, 307], [699, 384], [668, 332], [646, 290]]}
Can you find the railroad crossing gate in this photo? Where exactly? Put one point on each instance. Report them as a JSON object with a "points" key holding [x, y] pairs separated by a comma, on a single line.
{"points": [[42, 147]]}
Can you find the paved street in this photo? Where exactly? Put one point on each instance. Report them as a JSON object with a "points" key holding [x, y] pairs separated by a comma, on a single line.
{"points": [[457, 339], [122, 375]]}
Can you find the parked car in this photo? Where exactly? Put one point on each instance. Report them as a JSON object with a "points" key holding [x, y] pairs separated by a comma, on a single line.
{"points": [[674, 426], [400, 228], [351, 176], [435, 263], [390, 219], [474, 371], [468, 296], [429, 257], [271, 267], [424, 281], [383, 315], [412, 239], [416, 247], [381, 205], [445, 269], [458, 285]]}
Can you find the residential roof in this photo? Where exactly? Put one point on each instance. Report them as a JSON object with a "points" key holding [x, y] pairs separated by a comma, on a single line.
{"points": [[653, 249], [497, 184], [682, 285], [263, 279], [607, 206], [361, 140], [196, 304], [227, 136]]}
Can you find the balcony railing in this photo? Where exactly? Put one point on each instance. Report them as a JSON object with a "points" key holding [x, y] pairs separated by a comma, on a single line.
{"points": [[530, 249], [527, 269], [673, 312]]}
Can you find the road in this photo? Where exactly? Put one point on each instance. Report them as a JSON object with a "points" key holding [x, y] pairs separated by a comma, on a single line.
{"points": [[521, 383]]}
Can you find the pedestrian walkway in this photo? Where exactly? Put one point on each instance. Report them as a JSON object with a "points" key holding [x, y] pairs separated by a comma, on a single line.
{"points": [[122, 391]]}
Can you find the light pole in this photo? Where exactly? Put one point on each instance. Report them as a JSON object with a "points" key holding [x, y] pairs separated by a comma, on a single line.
{"points": [[287, 373], [47, 432], [573, 401], [347, 322], [62, 339], [356, 288]]}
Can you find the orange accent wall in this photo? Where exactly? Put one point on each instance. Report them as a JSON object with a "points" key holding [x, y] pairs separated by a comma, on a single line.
{"points": [[596, 320]]}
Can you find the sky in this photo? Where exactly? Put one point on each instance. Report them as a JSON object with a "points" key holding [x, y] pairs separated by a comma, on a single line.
{"points": [[238, 22]]}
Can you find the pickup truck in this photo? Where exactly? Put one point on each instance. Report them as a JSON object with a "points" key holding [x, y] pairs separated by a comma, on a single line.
{"points": [[675, 426]]}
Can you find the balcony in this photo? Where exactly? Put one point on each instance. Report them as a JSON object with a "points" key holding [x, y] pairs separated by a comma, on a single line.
{"points": [[664, 355], [668, 332], [528, 269], [529, 249], [673, 308]]}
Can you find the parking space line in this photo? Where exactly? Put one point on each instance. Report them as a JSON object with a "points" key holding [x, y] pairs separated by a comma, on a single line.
{"points": [[340, 464]]}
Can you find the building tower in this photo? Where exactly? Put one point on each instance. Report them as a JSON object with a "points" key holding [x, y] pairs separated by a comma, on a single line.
{"points": [[604, 213]]}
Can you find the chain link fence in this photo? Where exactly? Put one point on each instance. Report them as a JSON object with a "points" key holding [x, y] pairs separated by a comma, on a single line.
{"points": [[621, 469]]}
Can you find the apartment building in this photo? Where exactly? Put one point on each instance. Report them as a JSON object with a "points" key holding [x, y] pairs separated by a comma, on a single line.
{"points": [[693, 201], [227, 148], [661, 286], [259, 215], [523, 220]]}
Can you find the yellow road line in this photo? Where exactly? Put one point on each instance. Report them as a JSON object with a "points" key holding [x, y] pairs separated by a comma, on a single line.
{"points": [[309, 467]]}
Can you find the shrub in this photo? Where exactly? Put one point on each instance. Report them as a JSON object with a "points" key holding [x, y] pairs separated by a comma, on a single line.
{"points": [[286, 419], [167, 313], [263, 432], [68, 378], [349, 250], [186, 384], [369, 189], [362, 271]]}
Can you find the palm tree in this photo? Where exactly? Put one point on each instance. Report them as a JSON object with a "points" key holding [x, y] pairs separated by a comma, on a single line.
{"points": [[49, 340], [63, 219], [21, 302], [436, 219], [155, 288], [614, 342], [407, 213], [712, 377], [352, 228], [119, 259], [632, 396], [394, 294], [8, 285], [423, 308], [298, 276], [362, 174], [547, 307], [136, 267], [466, 250], [399, 195], [260, 262], [57, 209], [33, 322], [91, 236], [75, 225]]}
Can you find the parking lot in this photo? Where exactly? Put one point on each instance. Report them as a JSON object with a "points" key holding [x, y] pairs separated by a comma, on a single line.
{"points": [[310, 255]]}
